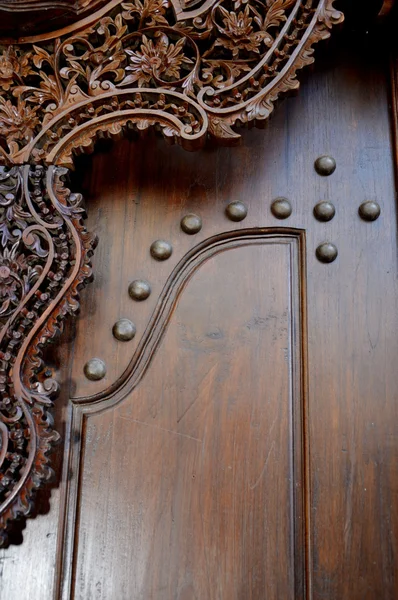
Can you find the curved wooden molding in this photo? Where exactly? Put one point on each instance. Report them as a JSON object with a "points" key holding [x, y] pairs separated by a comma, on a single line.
{"points": [[168, 299], [188, 69]]}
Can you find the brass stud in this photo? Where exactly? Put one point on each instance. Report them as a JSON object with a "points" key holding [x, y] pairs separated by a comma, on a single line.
{"points": [[124, 330], [326, 252], [95, 369], [325, 165], [161, 250], [139, 290], [281, 208], [369, 211], [191, 224], [236, 211], [324, 211]]}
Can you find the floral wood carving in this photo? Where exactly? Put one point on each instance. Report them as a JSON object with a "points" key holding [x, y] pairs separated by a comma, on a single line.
{"points": [[44, 261], [188, 69]]}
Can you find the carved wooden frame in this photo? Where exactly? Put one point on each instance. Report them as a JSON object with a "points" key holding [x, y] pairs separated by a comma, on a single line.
{"points": [[189, 69]]}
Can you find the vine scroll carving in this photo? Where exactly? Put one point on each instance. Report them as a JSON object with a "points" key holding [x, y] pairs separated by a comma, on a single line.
{"points": [[188, 69]]}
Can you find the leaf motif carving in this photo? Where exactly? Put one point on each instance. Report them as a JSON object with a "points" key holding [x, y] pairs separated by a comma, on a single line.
{"points": [[223, 56], [44, 262]]}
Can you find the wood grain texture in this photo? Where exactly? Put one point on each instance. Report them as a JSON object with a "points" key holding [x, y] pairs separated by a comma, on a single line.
{"points": [[210, 479], [138, 193]]}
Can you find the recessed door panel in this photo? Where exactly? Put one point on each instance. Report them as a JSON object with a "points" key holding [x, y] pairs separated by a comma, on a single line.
{"points": [[196, 477]]}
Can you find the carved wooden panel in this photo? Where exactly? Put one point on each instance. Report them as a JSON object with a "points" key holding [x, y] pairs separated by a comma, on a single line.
{"points": [[187, 69], [139, 192], [208, 427], [187, 73]]}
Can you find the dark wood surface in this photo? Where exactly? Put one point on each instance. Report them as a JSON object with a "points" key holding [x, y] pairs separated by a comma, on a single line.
{"points": [[202, 439], [187, 477], [28, 17]]}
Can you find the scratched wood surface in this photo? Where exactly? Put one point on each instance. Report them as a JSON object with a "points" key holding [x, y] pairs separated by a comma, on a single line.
{"points": [[151, 508]]}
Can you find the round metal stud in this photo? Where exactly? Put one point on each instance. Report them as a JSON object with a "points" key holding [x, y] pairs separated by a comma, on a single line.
{"points": [[124, 330], [236, 211], [161, 250], [139, 290], [281, 208], [95, 369], [369, 211], [325, 165], [326, 252], [324, 211], [191, 224]]}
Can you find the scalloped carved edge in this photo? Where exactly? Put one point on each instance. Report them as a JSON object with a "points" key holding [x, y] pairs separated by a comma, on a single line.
{"points": [[52, 258], [190, 79]]}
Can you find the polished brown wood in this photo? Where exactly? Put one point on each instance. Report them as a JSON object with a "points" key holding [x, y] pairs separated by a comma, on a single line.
{"points": [[189, 71], [27, 17], [249, 354], [205, 439]]}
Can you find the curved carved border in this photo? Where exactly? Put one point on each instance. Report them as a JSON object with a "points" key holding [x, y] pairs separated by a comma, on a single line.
{"points": [[44, 261], [156, 63], [188, 69]]}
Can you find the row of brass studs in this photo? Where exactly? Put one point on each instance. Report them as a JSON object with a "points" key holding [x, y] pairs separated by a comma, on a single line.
{"points": [[368, 211], [124, 330], [323, 211]]}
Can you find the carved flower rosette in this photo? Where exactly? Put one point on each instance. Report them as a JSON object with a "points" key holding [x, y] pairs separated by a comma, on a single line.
{"points": [[188, 70]]}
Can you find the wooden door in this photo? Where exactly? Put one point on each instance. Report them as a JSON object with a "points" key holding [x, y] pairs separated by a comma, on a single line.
{"points": [[244, 443]]}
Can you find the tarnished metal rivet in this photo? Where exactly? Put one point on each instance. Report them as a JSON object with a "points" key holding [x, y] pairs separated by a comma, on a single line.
{"points": [[325, 165], [236, 211], [281, 208], [191, 224], [161, 250], [124, 330], [326, 252], [369, 211], [324, 211], [95, 369], [139, 290]]}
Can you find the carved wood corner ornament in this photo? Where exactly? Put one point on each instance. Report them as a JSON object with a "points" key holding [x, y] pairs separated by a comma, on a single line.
{"points": [[189, 69]]}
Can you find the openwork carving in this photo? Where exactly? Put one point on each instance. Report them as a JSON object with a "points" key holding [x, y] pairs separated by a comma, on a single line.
{"points": [[186, 68], [44, 261]]}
